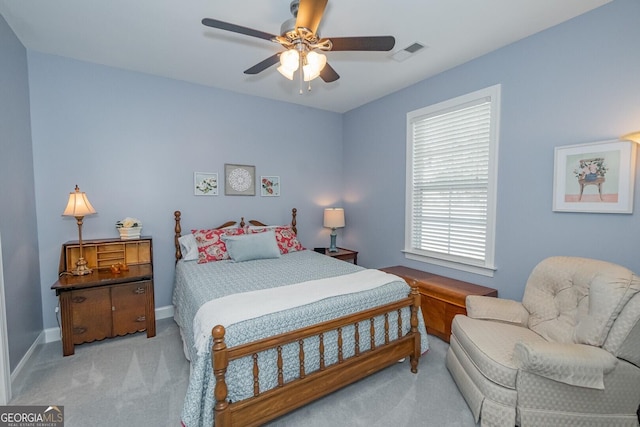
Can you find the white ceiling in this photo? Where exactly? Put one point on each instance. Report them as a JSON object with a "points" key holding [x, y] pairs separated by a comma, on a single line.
{"points": [[166, 38]]}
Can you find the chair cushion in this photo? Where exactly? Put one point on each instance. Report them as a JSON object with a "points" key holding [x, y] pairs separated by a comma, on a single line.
{"points": [[498, 309], [623, 340], [490, 345], [609, 293], [576, 300], [574, 364]]}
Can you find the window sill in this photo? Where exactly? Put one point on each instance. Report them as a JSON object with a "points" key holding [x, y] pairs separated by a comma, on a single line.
{"points": [[457, 265]]}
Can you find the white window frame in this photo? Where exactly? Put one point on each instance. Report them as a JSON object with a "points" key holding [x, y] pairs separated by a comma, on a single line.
{"points": [[484, 267]]}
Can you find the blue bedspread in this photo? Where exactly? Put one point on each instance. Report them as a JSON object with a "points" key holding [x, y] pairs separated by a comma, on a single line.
{"points": [[195, 284]]}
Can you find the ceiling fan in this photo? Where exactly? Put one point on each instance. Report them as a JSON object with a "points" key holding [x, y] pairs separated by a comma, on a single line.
{"points": [[301, 40]]}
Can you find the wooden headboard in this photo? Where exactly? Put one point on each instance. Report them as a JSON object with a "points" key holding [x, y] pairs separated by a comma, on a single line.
{"points": [[178, 228]]}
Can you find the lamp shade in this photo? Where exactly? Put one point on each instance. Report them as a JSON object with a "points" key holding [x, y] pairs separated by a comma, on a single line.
{"points": [[78, 205], [315, 64], [334, 217], [289, 63], [633, 136]]}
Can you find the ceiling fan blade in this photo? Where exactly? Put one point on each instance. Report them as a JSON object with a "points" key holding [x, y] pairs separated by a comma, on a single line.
{"points": [[237, 29], [310, 13], [261, 66], [374, 43], [328, 74]]}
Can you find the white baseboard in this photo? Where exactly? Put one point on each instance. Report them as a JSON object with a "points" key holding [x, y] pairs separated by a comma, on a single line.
{"points": [[27, 356], [51, 335], [164, 312]]}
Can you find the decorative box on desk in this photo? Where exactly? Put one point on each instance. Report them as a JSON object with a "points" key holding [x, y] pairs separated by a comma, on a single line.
{"points": [[105, 304], [441, 297]]}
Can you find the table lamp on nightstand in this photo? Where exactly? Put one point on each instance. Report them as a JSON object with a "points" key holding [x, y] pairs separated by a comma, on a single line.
{"points": [[78, 206], [333, 218]]}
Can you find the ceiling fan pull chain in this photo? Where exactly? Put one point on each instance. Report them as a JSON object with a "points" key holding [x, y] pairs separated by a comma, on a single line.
{"points": [[301, 81], [301, 73]]}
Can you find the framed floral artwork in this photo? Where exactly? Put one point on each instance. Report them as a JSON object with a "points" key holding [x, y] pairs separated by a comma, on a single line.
{"points": [[205, 183], [269, 186], [239, 180], [596, 177]]}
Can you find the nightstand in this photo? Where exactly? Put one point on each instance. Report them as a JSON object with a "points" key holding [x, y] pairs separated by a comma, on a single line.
{"points": [[343, 254], [105, 304]]}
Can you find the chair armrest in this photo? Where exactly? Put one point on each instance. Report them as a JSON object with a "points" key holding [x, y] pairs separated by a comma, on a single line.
{"points": [[497, 309], [575, 364]]}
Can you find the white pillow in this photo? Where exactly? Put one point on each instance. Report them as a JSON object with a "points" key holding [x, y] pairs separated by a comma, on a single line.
{"points": [[188, 247], [263, 227]]}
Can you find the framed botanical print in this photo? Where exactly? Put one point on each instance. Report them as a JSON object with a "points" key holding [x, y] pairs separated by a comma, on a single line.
{"points": [[269, 186], [239, 180], [205, 184], [596, 177]]}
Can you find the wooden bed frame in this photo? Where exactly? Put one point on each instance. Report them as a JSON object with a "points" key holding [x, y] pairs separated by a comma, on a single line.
{"points": [[309, 386]]}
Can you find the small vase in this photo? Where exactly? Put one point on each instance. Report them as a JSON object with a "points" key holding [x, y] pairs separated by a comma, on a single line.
{"points": [[129, 233]]}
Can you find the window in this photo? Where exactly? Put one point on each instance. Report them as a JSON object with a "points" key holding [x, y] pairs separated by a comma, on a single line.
{"points": [[452, 166]]}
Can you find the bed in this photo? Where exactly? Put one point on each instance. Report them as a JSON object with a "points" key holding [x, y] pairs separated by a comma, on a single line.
{"points": [[268, 335]]}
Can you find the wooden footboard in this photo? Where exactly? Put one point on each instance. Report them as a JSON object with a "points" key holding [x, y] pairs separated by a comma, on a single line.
{"points": [[306, 387]]}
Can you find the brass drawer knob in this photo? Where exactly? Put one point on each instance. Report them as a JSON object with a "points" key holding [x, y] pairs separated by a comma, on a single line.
{"points": [[78, 300], [139, 290]]}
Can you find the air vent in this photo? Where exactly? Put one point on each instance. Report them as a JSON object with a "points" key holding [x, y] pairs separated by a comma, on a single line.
{"points": [[408, 51]]}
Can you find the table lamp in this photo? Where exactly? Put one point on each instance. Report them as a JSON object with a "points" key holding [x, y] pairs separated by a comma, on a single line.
{"points": [[633, 136], [78, 206], [333, 218]]}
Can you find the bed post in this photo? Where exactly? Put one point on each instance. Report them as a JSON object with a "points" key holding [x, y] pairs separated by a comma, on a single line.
{"points": [[294, 213], [415, 307], [220, 356], [178, 231]]}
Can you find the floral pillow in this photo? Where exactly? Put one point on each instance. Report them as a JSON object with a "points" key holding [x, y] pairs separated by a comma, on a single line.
{"points": [[211, 247], [285, 236]]}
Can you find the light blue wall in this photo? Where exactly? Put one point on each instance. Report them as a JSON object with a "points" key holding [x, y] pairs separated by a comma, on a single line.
{"points": [[132, 142], [578, 82], [18, 226]]}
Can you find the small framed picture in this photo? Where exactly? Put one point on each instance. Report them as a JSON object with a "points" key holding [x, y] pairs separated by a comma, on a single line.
{"points": [[239, 180], [205, 183], [269, 186], [596, 177]]}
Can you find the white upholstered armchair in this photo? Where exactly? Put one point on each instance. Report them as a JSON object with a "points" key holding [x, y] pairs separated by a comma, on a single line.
{"points": [[569, 354]]}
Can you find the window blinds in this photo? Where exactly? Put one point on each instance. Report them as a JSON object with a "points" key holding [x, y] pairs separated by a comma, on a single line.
{"points": [[451, 181]]}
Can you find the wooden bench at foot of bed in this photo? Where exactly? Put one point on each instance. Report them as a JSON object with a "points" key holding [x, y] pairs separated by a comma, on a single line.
{"points": [[265, 406]]}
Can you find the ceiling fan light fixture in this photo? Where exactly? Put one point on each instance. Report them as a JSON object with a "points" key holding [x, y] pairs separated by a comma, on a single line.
{"points": [[285, 72], [300, 39], [315, 62], [289, 63]]}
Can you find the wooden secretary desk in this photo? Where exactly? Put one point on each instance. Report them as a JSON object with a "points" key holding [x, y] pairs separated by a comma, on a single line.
{"points": [[106, 304]]}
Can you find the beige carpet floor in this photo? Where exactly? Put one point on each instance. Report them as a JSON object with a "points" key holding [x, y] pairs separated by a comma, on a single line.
{"points": [[134, 381]]}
